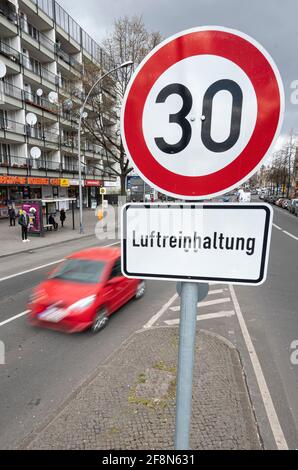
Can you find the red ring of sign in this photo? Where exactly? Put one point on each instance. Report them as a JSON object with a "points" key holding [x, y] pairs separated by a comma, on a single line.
{"points": [[214, 42]]}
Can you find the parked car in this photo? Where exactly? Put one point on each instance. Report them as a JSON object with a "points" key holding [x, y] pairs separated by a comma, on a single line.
{"points": [[83, 291], [278, 201], [284, 203], [293, 206]]}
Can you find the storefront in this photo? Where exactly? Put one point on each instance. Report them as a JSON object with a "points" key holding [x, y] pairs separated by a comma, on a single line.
{"points": [[14, 189], [93, 194]]}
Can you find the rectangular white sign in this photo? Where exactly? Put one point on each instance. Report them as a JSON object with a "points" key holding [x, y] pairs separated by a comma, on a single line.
{"points": [[227, 243]]}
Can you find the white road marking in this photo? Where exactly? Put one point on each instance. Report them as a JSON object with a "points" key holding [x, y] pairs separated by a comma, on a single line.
{"points": [[205, 304], [267, 400], [207, 316], [290, 235], [31, 270], [163, 309], [284, 231], [43, 266], [216, 291], [14, 318]]}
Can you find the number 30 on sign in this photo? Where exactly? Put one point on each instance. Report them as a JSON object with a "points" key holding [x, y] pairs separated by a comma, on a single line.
{"points": [[202, 111]]}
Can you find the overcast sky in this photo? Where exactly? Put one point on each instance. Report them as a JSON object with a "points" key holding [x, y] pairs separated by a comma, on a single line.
{"points": [[274, 23]]}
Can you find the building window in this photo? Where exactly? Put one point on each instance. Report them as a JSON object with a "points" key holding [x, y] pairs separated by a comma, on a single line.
{"points": [[35, 66], [4, 153], [3, 119], [34, 33]]}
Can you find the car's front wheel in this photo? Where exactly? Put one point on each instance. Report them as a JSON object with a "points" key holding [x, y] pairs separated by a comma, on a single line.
{"points": [[100, 320], [141, 289]]}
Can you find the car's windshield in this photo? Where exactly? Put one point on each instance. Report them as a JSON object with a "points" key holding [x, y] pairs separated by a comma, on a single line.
{"points": [[80, 270]]}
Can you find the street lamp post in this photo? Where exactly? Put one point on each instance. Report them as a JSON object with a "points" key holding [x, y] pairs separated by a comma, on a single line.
{"points": [[125, 64]]}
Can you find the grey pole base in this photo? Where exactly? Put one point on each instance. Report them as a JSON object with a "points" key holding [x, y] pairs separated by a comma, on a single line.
{"points": [[190, 293]]}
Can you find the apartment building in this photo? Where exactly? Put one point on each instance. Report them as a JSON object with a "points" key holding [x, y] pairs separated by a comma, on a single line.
{"points": [[44, 51]]}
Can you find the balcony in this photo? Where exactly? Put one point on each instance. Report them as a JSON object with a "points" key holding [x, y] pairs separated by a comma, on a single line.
{"points": [[9, 52], [19, 162], [91, 170], [9, 21], [40, 102], [7, 125], [42, 164], [68, 59], [73, 168], [11, 97], [40, 71], [42, 133], [39, 37]]}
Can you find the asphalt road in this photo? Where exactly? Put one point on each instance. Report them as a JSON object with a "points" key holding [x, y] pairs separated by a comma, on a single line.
{"points": [[43, 367]]}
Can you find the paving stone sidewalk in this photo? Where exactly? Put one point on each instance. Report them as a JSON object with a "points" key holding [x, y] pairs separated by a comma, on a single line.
{"points": [[130, 401], [11, 240]]}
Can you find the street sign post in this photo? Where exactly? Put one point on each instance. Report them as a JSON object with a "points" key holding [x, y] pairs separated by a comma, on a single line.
{"points": [[200, 114]]}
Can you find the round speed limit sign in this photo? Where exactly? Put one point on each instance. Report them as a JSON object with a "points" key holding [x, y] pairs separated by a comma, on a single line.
{"points": [[201, 112]]}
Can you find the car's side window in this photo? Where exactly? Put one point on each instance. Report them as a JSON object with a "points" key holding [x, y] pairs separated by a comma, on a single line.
{"points": [[116, 271]]}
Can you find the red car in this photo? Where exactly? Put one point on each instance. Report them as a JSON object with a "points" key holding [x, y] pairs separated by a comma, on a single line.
{"points": [[83, 291]]}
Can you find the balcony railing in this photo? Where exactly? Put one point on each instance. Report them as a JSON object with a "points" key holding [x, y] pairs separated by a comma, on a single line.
{"points": [[40, 102], [73, 168], [40, 37], [14, 161], [41, 71], [42, 133], [12, 126], [9, 52], [41, 164], [10, 90], [91, 170], [9, 14], [19, 162], [68, 59]]}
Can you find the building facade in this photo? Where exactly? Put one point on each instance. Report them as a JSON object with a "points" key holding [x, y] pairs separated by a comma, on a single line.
{"points": [[44, 52]]}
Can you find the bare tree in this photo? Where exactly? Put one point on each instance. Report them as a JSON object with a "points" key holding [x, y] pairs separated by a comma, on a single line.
{"points": [[129, 40], [281, 171]]}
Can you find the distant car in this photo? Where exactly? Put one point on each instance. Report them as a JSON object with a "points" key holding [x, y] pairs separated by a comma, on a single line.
{"points": [[284, 203], [293, 206], [83, 291], [278, 202]]}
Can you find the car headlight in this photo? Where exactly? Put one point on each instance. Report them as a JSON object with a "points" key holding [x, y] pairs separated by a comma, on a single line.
{"points": [[82, 304]]}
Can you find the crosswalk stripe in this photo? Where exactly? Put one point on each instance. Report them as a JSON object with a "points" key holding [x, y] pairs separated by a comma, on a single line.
{"points": [[207, 316], [205, 304]]}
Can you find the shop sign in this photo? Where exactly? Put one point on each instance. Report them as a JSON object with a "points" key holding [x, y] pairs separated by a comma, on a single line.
{"points": [[93, 183], [64, 182], [37, 181], [55, 181], [75, 182], [13, 180]]}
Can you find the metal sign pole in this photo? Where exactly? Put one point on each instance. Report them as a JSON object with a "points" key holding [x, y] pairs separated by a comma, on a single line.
{"points": [[187, 337]]}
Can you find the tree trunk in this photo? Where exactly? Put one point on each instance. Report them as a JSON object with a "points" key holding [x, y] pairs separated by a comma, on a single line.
{"points": [[123, 188]]}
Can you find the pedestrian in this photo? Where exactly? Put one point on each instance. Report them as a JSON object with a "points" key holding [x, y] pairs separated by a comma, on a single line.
{"points": [[24, 223], [53, 222], [62, 216], [12, 216]]}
